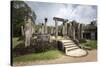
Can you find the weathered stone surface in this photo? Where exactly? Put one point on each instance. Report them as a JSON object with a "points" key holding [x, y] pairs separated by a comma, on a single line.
{"points": [[45, 26], [22, 30], [28, 31], [43, 37], [71, 49], [76, 52]]}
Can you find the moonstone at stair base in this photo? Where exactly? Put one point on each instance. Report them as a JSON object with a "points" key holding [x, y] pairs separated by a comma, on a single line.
{"points": [[76, 53]]}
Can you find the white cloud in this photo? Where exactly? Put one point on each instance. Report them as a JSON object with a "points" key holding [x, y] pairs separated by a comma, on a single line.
{"points": [[85, 13], [80, 13]]}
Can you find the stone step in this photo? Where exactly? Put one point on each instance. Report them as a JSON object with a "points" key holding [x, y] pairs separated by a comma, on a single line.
{"points": [[76, 52], [69, 46], [72, 48], [67, 43]]}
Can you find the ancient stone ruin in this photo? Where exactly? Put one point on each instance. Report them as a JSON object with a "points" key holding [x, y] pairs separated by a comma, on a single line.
{"points": [[70, 31], [68, 45], [27, 30]]}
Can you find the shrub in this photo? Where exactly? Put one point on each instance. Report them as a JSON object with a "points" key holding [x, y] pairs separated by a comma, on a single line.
{"points": [[92, 44], [82, 41], [41, 46]]}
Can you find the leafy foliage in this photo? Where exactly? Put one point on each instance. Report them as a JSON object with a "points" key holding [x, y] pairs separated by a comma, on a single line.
{"points": [[19, 9], [82, 41], [90, 44], [43, 46]]}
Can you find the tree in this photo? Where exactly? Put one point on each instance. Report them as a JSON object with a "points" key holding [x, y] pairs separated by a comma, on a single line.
{"points": [[19, 9]]}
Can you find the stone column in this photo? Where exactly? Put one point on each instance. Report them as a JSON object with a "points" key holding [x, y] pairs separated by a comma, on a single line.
{"points": [[73, 30], [66, 31], [22, 30], [78, 31], [81, 31], [63, 30], [70, 29], [93, 35], [56, 30], [45, 26], [73, 33], [42, 29], [52, 31]]}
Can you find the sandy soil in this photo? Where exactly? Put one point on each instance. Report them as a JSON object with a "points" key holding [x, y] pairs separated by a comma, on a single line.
{"points": [[92, 56]]}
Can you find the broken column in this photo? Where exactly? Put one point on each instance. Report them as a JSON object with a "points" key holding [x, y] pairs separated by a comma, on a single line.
{"points": [[81, 31], [73, 30], [42, 29], [70, 29], [78, 32], [56, 29], [52, 31], [66, 26], [22, 30], [45, 26], [63, 30]]}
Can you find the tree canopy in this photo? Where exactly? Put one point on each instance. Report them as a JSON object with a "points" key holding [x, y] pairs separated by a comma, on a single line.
{"points": [[19, 9]]}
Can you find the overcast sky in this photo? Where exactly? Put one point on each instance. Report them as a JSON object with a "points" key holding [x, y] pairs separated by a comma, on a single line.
{"points": [[81, 13]]}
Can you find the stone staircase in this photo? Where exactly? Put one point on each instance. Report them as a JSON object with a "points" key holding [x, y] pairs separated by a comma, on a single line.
{"points": [[71, 49]]}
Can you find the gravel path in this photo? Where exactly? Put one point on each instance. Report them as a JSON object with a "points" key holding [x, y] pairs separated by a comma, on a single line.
{"points": [[92, 56]]}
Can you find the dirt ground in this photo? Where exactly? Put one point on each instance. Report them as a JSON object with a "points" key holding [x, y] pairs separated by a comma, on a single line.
{"points": [[92, 56]]}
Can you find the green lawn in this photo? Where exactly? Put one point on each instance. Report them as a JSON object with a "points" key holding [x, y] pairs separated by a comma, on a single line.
{"points": [[92, 44], [15, 41], [51, 54]]}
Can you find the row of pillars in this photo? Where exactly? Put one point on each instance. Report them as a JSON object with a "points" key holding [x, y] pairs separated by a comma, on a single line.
{"points": [[69, 29]]}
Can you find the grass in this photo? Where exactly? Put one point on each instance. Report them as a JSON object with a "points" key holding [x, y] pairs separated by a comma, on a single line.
{"points": [[15, 41], [52, 54], [92, 44]]}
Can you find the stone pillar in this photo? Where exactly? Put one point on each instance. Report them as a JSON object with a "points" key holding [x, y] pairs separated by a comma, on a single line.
{"points": [[70, 29], [81, 31], [56, 29], [52, 31], [63, 30], [42, 29], [78, 31], [22, 30], [66, 28], [93, 35], [73, 28], [45, 26], [66, 31]]}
